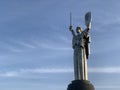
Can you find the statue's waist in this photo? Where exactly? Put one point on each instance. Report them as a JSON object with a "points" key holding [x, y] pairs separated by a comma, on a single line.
{"points": [[78, 46]]}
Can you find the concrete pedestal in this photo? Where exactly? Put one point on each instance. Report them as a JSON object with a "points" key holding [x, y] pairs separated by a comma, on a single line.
{"points": [[80, 85]]}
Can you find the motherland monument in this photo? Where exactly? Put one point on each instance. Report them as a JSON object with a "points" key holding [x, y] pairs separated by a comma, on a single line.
{"points": [[81, 46]]}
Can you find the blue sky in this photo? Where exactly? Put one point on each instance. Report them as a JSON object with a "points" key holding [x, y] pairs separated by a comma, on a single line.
{"points": [[35, 43]]}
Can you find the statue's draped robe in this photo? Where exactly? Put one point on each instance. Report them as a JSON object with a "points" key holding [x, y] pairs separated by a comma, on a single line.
{"points": [[81, 51]]}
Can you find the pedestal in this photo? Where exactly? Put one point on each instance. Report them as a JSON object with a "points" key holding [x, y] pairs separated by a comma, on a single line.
{"points": [[80, 85]]}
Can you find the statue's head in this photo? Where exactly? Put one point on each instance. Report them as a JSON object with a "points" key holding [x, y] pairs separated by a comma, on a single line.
{"points": [[78, 29]]}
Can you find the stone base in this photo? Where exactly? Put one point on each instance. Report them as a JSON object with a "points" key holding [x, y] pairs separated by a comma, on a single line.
{"points": [[80, 85]]}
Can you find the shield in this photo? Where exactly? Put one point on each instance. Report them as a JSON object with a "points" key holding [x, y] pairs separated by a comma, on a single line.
{"points": [[88, 19], [87, 47]]}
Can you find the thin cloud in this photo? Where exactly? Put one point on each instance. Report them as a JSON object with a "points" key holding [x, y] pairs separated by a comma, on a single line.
{"points": [[18, 47], [9, 47], [27, 45], [105, 70], [107, 87], [13, 49], [23, 44], [52, 45], [43, 44], [25, 72], [50, 70], [65, 39], [9, 74]]}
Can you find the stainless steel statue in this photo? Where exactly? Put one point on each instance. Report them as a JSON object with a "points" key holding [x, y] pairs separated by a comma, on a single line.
{"points": [[81, 46]]}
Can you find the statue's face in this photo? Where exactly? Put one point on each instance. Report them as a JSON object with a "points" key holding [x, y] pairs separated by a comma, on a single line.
{"points": [[78, 29]]}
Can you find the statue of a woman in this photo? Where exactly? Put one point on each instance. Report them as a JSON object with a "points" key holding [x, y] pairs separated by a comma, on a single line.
{"points": [[80, 45]]}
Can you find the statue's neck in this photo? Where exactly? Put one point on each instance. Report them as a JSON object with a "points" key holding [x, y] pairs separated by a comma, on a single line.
{"points": [[79, 33]]}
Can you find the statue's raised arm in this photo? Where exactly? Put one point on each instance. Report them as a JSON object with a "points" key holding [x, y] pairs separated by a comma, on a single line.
{"points": [[72, 31]]}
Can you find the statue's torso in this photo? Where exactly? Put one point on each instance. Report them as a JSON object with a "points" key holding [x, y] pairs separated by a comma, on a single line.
{"points": [[78, 41]]}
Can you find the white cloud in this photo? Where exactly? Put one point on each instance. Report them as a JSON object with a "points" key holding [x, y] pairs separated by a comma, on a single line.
{"points": [[107, 87], [13, 49], [47, 70], [27, 45], [23, 44], [44, 44], [9, 74], [25, 72], [66, 39], [19, 47], [52, 45], [105, 70]]}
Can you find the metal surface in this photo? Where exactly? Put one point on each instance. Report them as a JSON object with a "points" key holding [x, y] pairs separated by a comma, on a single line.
{"points": [[80, 44], [80, 85]]}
